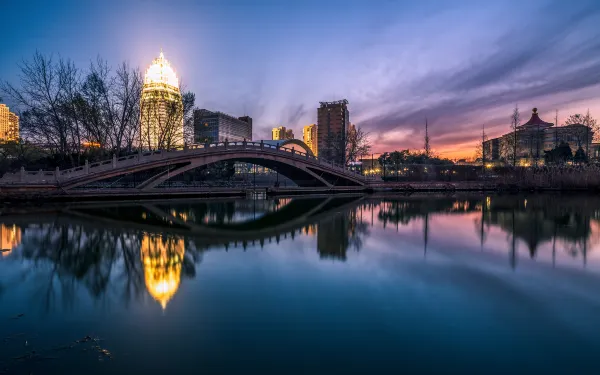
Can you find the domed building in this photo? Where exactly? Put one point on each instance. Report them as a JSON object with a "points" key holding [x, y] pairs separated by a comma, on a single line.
{"points": [[535, 138], [161, 107]]}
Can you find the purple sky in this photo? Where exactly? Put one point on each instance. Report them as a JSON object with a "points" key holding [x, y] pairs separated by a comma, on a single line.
{"points": [[458, 63]]}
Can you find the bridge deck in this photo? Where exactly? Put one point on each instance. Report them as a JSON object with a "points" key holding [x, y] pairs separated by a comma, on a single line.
{"points": [[145, 160]]}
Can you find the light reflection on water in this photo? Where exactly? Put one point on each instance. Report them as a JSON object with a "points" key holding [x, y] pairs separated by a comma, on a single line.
{"points": [[461, 274]]}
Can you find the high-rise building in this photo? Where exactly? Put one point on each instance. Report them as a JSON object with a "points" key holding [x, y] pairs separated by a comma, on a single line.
{"points": [[278, 134], [212, 126], [332, 122], [161, 107], [9, 125], [309, 136], [281, 133]]}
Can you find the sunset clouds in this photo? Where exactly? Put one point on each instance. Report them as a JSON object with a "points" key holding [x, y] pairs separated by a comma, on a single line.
{"points": [[458, 63]]}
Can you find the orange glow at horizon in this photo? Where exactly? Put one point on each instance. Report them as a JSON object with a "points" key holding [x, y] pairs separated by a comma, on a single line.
{"points": [[449, 152]]}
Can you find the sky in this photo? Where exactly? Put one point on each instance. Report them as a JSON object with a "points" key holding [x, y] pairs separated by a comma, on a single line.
{"points": [[461, 64]]}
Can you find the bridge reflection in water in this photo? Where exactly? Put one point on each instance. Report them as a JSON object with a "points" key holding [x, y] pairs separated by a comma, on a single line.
{"points": [[149, 248]]}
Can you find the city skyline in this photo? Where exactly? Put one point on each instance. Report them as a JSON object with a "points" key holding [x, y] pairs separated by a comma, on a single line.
{"points": [[396, 66]]}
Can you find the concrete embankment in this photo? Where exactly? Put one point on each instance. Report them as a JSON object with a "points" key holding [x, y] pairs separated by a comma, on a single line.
{"points": [[8, 196], [16, 194]]}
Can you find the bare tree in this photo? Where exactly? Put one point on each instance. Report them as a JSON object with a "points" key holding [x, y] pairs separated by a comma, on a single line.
{"points": [[41, 97], [480, 149], [95, 96], [357, 144], [64, 108], [483, 140], [506, 148], [593, 125], [556, 129], [112, 105], [335, 149], [126, 87], [70, 81], [515, 122], [189, 101], [582, 135]]}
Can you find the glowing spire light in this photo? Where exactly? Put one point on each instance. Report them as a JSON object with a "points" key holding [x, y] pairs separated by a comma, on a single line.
{"points": [[160, 71]]}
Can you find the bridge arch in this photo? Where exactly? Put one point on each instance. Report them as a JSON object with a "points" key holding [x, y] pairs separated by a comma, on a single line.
{"points": [[290, 143], [302, 168], [302, 176]]}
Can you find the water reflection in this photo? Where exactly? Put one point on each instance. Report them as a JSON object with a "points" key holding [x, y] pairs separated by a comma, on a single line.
{"points": [[130, 250], [10, 235], [570, 221], [162, 257]]}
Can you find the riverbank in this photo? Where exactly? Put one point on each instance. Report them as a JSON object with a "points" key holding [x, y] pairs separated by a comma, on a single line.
{"points": [[16, 195]]}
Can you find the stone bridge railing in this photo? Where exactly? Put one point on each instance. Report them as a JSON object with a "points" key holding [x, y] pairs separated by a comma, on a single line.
{"points": [[58, 175]]}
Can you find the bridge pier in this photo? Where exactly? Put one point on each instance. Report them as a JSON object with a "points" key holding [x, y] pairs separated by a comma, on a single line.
{"points": [[57, 174], [86, 167], [114, 161]]}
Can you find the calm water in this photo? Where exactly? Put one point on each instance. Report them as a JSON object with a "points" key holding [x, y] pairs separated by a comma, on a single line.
{"points": [[419, 284]]}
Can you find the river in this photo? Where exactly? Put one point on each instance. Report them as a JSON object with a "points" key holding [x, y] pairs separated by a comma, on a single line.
{"points": [[344, 284]]}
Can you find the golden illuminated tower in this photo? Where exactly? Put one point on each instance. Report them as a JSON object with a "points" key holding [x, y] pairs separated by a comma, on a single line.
{"points": [[161, 107], [278, 134], [309, 136], [9, 125], [162, 258]]}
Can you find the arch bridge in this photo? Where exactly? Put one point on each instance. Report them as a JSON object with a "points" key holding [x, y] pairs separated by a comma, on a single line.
{"points": [[299, 165]]}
